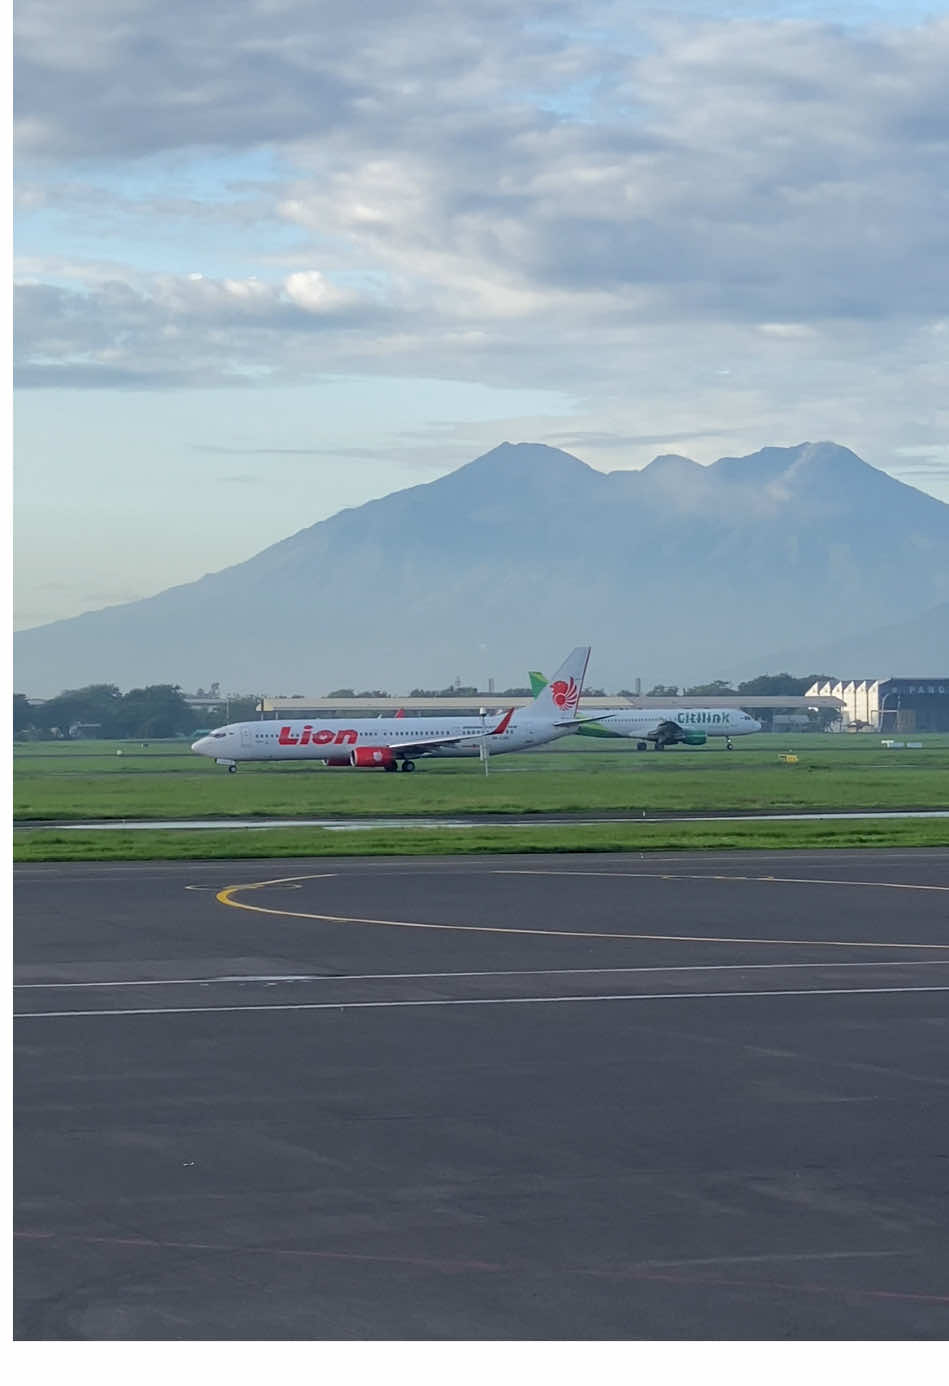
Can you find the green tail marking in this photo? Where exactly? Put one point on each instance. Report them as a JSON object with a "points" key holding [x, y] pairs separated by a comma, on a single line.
{"points": [[538, 682]]}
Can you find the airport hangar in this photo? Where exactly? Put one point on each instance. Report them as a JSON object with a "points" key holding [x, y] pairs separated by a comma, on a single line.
{"points": [[892, 704]]}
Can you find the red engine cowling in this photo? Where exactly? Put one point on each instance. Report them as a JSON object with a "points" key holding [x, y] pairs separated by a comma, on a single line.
{"points": [[371, 757]]}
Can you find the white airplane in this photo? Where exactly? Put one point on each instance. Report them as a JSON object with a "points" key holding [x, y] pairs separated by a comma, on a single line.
{"points": [[662, 727], [388, 743]]}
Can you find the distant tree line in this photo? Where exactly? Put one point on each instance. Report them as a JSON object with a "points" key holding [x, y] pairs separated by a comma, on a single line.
{"points": [[454, 690], [363, 693], [101, 710], [764, 686]]}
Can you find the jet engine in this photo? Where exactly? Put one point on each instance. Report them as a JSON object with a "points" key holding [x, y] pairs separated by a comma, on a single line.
{"points": [[372, 758], [671, 734]]}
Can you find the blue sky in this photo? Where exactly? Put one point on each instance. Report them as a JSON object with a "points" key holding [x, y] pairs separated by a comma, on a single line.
{"points": [[272, 260]]}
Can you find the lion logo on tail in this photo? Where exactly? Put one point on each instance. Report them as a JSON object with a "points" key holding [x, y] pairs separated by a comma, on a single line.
{"points": [[566, 694]]}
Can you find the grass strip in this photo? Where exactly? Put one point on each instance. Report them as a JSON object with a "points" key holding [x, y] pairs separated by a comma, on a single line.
{"points": [[173, 845], [520, 787]]}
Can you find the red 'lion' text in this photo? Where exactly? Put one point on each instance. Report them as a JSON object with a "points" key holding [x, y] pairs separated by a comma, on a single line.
{"points": [[346, 736]]}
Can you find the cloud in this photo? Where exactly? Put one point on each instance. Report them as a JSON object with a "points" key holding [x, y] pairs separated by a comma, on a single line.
{"points": [[788, 331], [781, 172], [694, 229], [260, 452], [601, 439], [167, 330]]}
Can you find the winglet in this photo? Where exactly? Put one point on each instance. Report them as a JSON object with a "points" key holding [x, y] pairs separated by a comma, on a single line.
{"points": [[502, 725]]}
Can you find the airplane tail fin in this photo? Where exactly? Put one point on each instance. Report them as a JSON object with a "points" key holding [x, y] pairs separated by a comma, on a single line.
{"points": [[537, 682], [559, 699]]}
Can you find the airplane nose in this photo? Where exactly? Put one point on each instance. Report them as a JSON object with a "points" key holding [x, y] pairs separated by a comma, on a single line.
{"points": [[201, 745]]}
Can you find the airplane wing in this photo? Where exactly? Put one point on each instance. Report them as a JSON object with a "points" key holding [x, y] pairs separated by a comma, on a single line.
{"points": [[431, 743]]}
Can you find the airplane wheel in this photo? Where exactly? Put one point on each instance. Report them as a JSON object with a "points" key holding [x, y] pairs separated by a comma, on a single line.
{"points": [[232, 769], [392, 766], [641, 745], [408, 765]]}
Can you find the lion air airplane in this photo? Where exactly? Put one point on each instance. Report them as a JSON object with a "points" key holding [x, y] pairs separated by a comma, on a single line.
{"points": [[692, 726], [388, 743]]}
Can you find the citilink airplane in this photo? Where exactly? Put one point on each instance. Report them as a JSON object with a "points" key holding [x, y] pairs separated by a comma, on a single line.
{"points": [[391, 743], [662, 727]]}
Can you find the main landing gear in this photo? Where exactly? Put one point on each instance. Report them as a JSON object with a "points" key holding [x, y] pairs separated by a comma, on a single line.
{"points": [[408, 765], [400, 765]]}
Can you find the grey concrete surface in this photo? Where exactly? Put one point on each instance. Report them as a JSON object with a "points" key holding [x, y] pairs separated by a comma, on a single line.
{"points": [[613, 1097]]}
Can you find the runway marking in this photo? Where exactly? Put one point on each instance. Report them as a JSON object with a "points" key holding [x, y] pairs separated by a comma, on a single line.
{"points": [[692, 876], [225, 895], [477, 1001], [434, 976], [669, 1273]]}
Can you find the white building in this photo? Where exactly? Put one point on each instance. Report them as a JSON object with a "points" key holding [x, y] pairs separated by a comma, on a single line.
{"points": [[890, 704]]}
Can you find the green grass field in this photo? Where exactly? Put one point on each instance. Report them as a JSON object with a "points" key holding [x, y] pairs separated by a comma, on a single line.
{"points": [[88, 780], [180, 844], [162, 781]]}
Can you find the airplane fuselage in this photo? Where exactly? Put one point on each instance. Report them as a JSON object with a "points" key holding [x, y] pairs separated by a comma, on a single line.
{"points": [[335, 741], [640, 721]]}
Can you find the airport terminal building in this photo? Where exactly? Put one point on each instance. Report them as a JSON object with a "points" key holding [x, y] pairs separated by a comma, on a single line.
{"points": [[892, 704]]}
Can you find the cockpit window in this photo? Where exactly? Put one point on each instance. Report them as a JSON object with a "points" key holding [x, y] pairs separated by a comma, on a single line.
{"points": [[219, 734]]}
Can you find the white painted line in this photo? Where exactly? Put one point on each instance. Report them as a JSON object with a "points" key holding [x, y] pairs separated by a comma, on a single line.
{"points": [[402, 824], [478, 1001], [774, 1256], [691, 876], [269, 980], [201, 825]]}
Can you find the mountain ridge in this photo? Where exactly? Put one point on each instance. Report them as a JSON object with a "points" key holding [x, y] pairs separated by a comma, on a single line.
{"points": [[669, 572]]}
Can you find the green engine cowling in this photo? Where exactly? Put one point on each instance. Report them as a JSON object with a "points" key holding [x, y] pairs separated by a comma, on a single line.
{"points": [[596, 729], [694, 738]]}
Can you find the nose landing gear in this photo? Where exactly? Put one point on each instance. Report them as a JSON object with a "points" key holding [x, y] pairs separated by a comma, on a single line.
{"points": [[728, 744]]}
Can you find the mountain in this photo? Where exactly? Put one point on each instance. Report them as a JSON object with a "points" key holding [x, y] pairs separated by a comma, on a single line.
{"points": [[913, 645], [670, 572]]}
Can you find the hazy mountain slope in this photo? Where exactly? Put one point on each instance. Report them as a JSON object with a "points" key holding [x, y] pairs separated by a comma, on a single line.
{"points": [[671, 573], [917, 644]]}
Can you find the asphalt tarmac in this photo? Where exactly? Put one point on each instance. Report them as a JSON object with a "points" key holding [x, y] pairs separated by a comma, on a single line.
{"points": [[545, 1097]]}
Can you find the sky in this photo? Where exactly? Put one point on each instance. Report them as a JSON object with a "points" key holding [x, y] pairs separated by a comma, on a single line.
{"points": [[278, 257]]}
